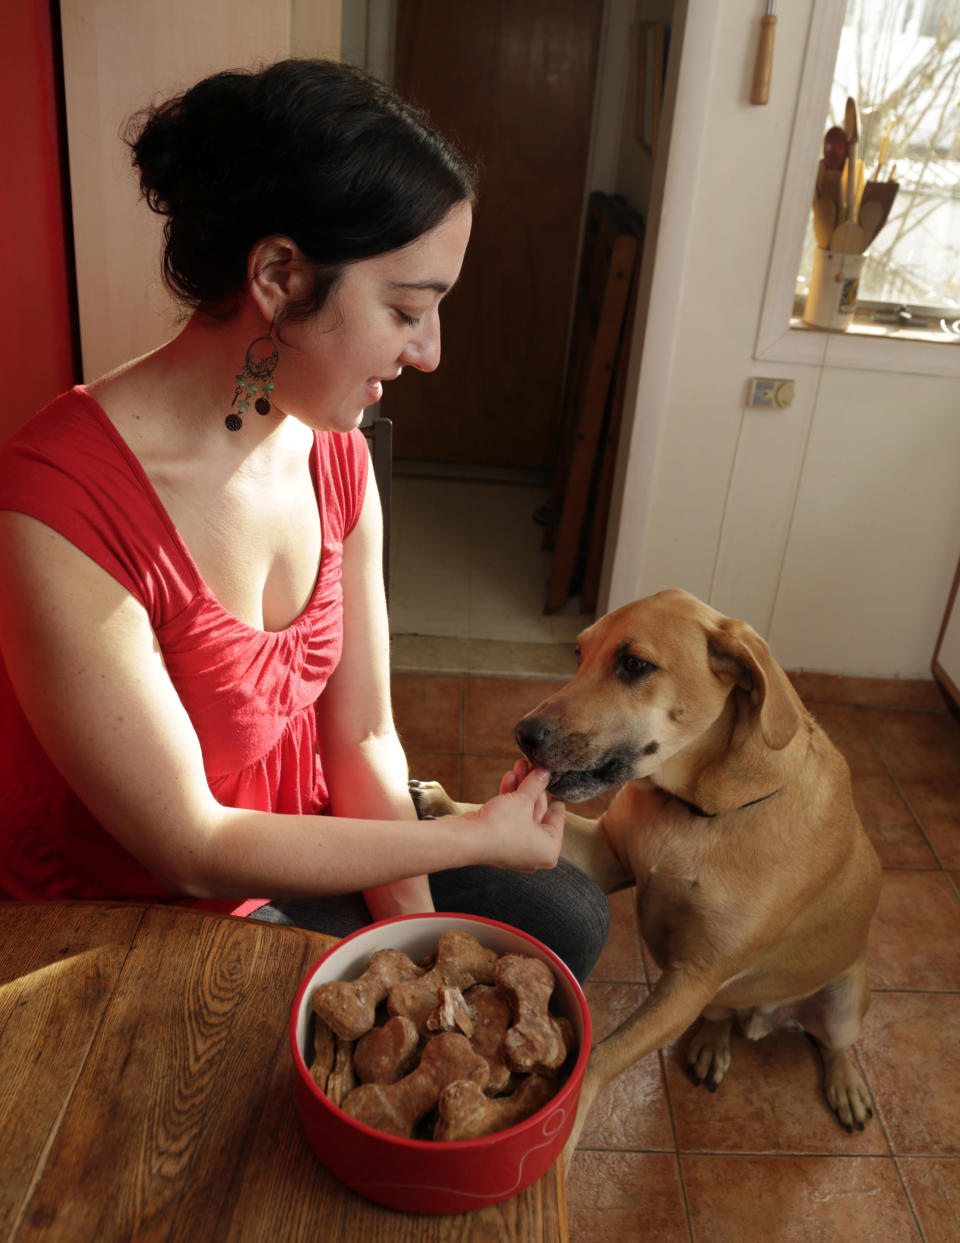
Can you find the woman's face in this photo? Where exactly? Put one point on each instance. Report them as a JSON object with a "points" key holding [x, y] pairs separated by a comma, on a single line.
{"points": [[382, 316]]}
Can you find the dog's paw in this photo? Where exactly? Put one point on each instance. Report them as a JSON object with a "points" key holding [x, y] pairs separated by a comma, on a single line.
{"points": [[431, 800], [708, 1054], [846, 1093]]}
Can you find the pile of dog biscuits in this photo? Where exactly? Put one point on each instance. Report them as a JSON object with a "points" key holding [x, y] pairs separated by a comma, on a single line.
{"points": [[459, 1046]]}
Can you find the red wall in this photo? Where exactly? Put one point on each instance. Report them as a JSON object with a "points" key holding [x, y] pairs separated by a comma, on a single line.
{"points": [[37, 317]]}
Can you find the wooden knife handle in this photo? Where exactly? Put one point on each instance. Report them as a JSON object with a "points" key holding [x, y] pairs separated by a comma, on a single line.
{"points": [[763, 65]]}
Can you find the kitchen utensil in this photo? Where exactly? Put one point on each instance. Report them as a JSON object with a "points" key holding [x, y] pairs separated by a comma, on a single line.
{"points": [[875, 207], [851, 127], [884, 148], [763, 65], [834, 147], [824, 221], [830, 187], [848, 238], [871, 220]]}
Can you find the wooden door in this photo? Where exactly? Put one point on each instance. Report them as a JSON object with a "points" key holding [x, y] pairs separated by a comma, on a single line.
{"points": [[512, 82]]}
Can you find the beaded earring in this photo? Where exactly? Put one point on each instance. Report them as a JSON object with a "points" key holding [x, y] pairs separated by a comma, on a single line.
{"points": [[259, 365]]}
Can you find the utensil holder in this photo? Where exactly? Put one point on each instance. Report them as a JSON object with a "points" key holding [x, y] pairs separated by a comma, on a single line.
{"points": [[832, 299]]}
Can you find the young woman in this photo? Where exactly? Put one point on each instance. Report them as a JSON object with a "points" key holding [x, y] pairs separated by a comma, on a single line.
{"points": [[194, 698]]}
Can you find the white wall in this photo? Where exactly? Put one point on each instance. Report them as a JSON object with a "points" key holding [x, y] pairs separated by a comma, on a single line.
{"points": [[119, 56], [832, 526]]}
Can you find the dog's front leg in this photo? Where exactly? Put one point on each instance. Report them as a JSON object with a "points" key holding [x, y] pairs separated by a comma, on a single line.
{"points": [[585, 844], [674, 1003]]}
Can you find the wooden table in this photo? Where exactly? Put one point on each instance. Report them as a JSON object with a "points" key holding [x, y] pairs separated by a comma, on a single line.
{"points": [[147, 1090]]}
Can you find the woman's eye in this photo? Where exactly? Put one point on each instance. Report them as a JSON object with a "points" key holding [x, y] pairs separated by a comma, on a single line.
{"points": [[410, 320]]}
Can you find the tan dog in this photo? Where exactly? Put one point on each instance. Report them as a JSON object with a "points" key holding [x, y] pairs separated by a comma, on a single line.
{"points": [[755, 881]]}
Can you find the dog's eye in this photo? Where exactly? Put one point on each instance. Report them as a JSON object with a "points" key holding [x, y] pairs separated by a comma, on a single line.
{"points": [[632, 667]]}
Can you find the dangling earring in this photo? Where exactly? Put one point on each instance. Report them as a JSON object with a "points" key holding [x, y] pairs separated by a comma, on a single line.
{"points": [[259, 365]]}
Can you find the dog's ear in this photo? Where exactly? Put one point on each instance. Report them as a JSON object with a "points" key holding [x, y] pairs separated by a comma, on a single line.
{"points": [[736, 650]]}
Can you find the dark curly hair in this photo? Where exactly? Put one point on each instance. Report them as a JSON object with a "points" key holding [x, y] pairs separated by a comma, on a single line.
{"points": [[308, 149]]}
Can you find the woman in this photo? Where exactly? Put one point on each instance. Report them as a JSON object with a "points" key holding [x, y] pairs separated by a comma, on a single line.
{"points": [[192, 709]]}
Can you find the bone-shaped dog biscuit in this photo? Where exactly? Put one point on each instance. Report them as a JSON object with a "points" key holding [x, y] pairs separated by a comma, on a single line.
{"points": [[466, 1112], [534, 1042], [397, 1107], [492, 1015], [385, 1053], [349, 1006], [324, 1052], [460, 962], [342, 1078], [452, 1014]]}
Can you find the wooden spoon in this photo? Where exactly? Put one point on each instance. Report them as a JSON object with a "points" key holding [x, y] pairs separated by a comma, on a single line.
{"points": [[831, 188], [875, 206], [834, 147], [851, 127], [848, 238], [824, 221]]}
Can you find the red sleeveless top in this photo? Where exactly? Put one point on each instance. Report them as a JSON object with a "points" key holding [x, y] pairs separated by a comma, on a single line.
{"points": [[249, 693]]}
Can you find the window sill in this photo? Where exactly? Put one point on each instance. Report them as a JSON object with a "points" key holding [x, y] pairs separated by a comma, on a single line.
{"points": [[865, 346]]}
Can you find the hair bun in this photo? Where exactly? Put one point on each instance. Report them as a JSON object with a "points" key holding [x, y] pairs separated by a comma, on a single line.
{"points": [[184, 148]]}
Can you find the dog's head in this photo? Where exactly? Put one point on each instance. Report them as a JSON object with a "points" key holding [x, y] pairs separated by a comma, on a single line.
{"points": [[666, 687]]}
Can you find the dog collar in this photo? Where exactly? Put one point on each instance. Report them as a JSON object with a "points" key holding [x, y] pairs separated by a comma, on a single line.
{"points": [[712, 815]]}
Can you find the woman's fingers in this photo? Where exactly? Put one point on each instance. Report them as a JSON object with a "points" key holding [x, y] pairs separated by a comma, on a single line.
{"points": [[512, 780], [534, 782]]}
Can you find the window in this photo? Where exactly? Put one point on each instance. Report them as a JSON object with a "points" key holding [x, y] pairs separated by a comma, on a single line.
{"points": [[900, 59]]}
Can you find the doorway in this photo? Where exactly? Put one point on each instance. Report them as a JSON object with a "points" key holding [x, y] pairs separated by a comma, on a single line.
{"points": [[512, 83]]}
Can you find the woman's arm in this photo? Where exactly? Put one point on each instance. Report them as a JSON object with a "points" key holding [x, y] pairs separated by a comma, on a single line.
{"points": [[363, 762], [88, 673]]}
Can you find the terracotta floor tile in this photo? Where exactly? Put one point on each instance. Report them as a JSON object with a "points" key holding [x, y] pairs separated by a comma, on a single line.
{"points": [[846, 730], [915, 935], [771, 1100], [934, 1189], [936, 804], [436, 766], [916, 744], [621, 958], [493, 706], [633, 1112], [614, 1197], [796, 1199], [911, 1054], [428, 711], [481, 776], [896, 837]]}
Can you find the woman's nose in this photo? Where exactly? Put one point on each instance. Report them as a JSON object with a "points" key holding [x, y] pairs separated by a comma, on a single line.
{"points": [[423, 349]]}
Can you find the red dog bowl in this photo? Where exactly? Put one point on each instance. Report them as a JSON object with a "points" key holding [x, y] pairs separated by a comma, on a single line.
{"points": [[424, 1176]]}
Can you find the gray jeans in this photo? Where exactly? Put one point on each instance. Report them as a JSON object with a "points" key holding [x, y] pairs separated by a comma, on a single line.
{"points": [[562, 907]]}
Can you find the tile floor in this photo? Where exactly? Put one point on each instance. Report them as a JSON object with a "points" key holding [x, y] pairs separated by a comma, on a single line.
{"points": [[763, 1158], [466, 563]]}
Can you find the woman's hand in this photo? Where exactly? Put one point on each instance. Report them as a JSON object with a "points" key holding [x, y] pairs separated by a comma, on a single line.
{"points": [[522, 826]]}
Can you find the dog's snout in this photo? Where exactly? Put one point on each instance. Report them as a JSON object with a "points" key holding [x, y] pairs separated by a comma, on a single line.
{"points": [[532, 733]]}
